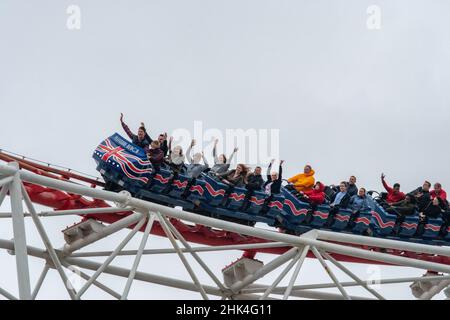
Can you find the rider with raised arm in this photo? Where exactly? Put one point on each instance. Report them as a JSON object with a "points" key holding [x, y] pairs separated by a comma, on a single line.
{"points": [[393, 194], [141, 139], [221, 163]]}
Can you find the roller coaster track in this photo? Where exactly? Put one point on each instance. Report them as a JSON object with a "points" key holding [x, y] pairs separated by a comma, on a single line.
{"points": [[70, 192]]}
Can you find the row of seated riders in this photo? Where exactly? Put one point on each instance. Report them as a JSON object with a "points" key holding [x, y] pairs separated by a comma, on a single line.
{"points": [[423, 202]]}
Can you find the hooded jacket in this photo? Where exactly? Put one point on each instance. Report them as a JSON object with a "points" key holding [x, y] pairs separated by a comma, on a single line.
{"points": [[303, 181], [316, 196], [441, 194], [392, 196]]}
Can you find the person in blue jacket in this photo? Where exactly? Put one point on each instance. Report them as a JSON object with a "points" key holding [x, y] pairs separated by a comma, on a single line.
{"points": [[359, 202]]}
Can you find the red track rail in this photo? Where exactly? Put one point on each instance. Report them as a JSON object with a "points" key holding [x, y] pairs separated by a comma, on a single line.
{"points": [[59, 200]]}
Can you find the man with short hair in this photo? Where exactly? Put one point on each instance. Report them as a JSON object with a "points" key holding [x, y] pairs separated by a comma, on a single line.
{"points": [[422, 195], [438, 192], [254, 183], [141, 139], [341, 201], [393, 194], [352, 189]]}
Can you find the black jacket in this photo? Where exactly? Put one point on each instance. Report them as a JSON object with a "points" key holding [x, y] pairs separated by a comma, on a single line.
{"points": [[275, 187], [424, 200], [254, 182], [352, 190], [345, 201]]}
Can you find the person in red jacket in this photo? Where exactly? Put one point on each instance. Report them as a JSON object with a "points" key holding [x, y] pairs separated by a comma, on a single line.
{"points": [[438, 192], [316, 196], [394, 194]]}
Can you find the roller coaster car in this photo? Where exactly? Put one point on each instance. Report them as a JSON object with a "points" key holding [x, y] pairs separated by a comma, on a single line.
{"points": [[124, 166]]}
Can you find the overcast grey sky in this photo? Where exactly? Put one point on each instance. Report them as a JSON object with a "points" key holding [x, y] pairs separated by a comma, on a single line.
{"points": [[346, 99]]}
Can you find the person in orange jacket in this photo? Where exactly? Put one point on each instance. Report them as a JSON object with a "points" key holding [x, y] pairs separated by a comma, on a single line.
{"points": [[303, 181]]}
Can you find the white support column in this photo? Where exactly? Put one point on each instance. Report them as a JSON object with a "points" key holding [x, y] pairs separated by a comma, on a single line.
{"points": [[20, 241], [330, 273], [194, 254], [95, 283], [137, 260], [110, 258], [280, 276], [184, 250], [182, 257], [46, 240], [40, 281], [6, 294], [3, 193], [5, 181], [352, 275], [288, 291]]}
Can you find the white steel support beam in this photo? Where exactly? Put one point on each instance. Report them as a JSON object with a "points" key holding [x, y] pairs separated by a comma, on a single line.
{"points": [[20, 241], [352, 275], [165, 281], [330, 273], [110, 258], [86, 277], [181, 256], [40, 281], [46, 240], [3, 192], [5, 181], [194, 254], [296, 272], [6, 294], [137, 260], [281, 276], [184, 250]]}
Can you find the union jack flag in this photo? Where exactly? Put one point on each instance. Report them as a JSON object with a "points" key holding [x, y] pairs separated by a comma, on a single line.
{"points": [[115, 155]]}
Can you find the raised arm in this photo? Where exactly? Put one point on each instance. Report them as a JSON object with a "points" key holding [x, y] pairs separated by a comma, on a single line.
{"points": [[268, 170], [126, 128], [214, 151], [147, 137], [188, 152], [280, 171], [170, 145], [232, 155], [385, 185], [204, 159]]}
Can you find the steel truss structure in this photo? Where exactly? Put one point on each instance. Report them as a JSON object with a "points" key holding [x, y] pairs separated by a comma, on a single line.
{"points": [[322, 244]]}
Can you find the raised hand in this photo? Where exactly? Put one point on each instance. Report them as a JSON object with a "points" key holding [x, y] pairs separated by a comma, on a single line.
{"points": [[272, 161], [236, 149], [216, 141], [193, 142], [121, 117], [281, 162], [170, 139], [142, 124], [383, 176]]}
